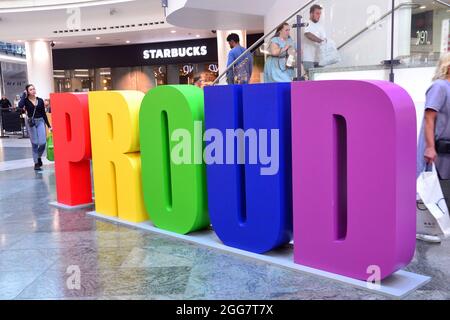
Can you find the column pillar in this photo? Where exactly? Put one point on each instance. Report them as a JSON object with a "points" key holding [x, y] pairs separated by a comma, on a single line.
{"points": [[402, 36], [40, 67], [223, 48]]}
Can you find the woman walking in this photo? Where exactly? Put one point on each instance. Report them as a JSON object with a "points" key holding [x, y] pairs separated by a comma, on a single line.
{"points": [[434, 140], [35, 123], [278, 68], [436, 128]]}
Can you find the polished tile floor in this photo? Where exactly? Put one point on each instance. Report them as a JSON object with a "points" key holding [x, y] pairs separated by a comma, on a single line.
{"points": [[40, 246]]}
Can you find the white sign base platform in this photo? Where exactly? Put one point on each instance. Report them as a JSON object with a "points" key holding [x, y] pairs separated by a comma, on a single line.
{"points": [[66, 207]]}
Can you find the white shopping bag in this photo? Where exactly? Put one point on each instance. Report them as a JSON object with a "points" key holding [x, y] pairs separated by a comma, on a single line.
{"points": [[328, 53], [432, 212]]}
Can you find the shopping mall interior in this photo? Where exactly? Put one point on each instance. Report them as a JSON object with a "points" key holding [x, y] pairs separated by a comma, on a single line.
{"points": [[123, 246]]}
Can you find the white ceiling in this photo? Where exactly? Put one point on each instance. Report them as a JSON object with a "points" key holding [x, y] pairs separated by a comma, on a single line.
{"points": [[10, 6], [114, 24], [218, 14], [251, 7], [134, 37], [429, 5]]}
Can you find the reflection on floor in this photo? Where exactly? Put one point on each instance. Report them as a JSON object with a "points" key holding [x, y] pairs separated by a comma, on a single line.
{"points": [[40, 245]]}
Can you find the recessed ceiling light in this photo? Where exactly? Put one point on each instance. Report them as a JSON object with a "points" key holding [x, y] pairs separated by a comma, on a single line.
{"points": [[422, 7], [173, 31], [128, 41], [97, 38], [198, 36]]}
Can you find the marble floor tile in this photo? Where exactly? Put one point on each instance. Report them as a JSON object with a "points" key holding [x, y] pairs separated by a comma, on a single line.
{"points": [[147, 281], [25, 260], [15, 142], [15, 153], [7, 240], [149, 258], [40, 244], [12, 283], [129, 282], [90, 259], [56, 285]]}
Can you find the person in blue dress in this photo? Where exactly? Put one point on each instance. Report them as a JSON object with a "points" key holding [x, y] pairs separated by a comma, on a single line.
{"points": [[281, 46]]}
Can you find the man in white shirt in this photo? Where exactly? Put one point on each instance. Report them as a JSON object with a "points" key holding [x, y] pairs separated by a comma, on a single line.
{"points": [[314, 35]]}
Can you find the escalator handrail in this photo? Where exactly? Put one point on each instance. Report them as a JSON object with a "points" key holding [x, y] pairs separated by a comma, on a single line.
{"points": [[259, 42]]}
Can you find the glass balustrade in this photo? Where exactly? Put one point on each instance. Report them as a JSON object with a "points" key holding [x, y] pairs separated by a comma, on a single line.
{"points": [[361, 33]]}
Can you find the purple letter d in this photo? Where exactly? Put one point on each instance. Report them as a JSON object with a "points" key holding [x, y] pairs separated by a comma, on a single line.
{"points": [[354, 171]]}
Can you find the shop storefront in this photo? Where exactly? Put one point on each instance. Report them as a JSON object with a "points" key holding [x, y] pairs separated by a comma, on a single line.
{"points": [[135, 67], [13, 78]]}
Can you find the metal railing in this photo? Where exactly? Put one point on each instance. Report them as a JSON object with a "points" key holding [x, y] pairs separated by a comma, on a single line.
{"points": [[258, 43], [443, 3]]}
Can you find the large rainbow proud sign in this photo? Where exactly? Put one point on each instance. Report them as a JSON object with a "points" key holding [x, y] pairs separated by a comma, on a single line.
{"points": [[328, 164]]}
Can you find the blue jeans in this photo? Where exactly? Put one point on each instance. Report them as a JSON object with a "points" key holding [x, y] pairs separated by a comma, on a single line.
{"points": [[38, 138]]}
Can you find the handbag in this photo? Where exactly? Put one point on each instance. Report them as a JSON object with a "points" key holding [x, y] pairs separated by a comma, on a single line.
{"points": [[432, 212], [31, 121], [328, 53], [50, 148], [443, 146]]}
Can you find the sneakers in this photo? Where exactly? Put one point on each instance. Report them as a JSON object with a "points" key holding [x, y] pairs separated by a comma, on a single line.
{"points": [[37, 167]]}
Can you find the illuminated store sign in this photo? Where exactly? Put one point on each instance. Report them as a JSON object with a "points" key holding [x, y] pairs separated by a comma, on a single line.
{"points": [[213, 68], [175, 52], [146, 54]]}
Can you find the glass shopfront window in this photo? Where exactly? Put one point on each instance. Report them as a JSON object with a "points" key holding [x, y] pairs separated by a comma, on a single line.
{"points": [[134, 78], [77, 80], [201, 74], [430, 34], [102, 79]]}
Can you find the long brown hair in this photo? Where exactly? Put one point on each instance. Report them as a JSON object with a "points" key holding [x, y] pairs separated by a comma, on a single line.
{"points": [[28, 86], [280, 27]]}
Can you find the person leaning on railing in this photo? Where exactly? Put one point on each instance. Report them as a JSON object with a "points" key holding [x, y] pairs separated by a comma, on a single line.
{"points": [[278, 68], [434, 142]]}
